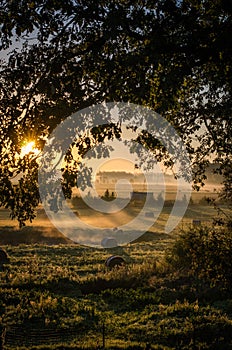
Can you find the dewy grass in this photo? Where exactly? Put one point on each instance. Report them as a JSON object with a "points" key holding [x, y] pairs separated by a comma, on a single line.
{"points": [[64, 296]]}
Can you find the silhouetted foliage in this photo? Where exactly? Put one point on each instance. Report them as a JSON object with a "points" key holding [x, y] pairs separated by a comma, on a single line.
{"points": [[204, 253], [62, 56]]}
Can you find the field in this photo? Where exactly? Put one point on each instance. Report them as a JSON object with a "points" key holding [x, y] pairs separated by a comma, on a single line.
{"points": [[63, 297], [42, 230], [60, 295]]}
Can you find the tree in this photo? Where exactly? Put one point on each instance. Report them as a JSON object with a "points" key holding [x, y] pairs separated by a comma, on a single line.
{"points": [[106, 194], [59, 57]]}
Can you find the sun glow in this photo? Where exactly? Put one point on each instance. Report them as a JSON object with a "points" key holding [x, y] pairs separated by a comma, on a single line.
{"points": [[29, 148]]}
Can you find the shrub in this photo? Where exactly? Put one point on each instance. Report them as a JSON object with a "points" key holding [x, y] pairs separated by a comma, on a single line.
{"points": [[204, 253]]}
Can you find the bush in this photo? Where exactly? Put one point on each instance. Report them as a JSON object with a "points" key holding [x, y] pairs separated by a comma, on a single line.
{"points": [[204, 253]]}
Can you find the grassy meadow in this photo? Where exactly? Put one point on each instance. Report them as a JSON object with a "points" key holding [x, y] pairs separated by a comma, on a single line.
{"points": [[174, 291], [63, 297]]}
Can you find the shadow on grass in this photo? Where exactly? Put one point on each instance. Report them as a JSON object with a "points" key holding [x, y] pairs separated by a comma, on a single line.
{"points": [[9, 235]]}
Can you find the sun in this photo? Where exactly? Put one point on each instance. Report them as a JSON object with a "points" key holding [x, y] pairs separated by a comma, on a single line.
{"points": [[29, 147]]}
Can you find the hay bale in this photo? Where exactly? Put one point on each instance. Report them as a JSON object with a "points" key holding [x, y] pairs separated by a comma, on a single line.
{"points": [[114, 261], [3, 257], [149, 214], [109, 242]]}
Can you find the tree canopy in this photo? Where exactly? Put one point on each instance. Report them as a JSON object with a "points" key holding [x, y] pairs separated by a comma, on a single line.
{"points": [[58, 57]]}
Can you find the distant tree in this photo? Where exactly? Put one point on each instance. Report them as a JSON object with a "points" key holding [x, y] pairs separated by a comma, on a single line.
{"points": [[61, 56], [184, 198], [106, 194], [160, 199]]}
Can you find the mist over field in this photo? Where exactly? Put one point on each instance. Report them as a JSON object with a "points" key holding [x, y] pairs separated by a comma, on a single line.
{"points": [[42, 230]]}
